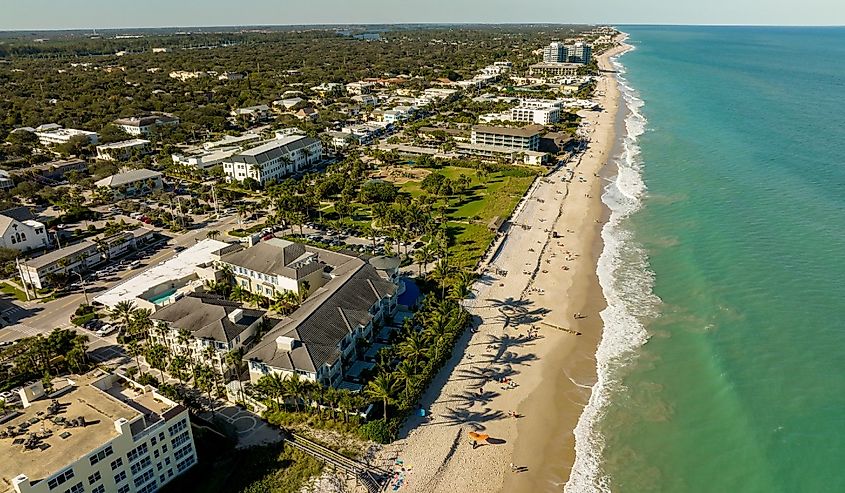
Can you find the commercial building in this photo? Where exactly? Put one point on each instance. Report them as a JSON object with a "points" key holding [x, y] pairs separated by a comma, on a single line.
{"points": [[275, 266], [81, 257], [123, 150], [319, 340], [19, 230], [554, 69], [94, 433], [165, 283], [50, 135], [541, 112], [524, 138], [274, 160], [144, 125], [204, 159], [54, 170], [132, 183], [216, 326]]}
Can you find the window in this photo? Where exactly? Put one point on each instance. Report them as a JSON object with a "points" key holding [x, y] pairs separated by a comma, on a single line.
{"points": [[61, 478], [184, 437], [181, 466], [182, 452], [123, 489], [102, 454], [94, 477], [141, 465], [158, 466], [149, 488], [99, 489], [144, 478], [161, 436], [116, 463], [167, 461], [153, 441], [77, 488], [155, 454], [137, 452], [119, 477], [162, 478], [164, 448], [170, 473]]}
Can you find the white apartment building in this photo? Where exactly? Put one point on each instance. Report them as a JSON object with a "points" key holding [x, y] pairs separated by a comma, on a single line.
{"points": [[542, 116], [54, 136], [275, 266], [525, 138], [274, 160], [144, 125], [20, 231], [95, 433], [117, 151]]}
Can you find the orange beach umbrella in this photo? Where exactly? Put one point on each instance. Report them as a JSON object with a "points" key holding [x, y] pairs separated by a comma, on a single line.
{"points": [[478, 437]]}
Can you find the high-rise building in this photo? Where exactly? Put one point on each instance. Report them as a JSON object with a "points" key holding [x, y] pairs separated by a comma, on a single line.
{"points": [[558, 52], [555, 53]]}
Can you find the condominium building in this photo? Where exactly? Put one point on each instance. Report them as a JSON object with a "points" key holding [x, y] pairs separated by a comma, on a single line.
{"points": [[554, 69], [527, 138], [215, 326], [275, 266], [319, 340], [94, 433], [540, 116], [274, 160], [561, 53], [123, 150], [144, 125]]}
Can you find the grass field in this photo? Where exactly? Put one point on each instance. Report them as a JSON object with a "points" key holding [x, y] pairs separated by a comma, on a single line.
{"points": [[470, 213]]}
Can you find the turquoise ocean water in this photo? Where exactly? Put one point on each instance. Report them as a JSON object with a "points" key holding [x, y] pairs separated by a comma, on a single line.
{"points": [[722, 367]]}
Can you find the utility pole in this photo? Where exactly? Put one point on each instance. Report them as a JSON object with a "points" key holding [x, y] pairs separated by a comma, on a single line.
{"points": [[82, 283]]}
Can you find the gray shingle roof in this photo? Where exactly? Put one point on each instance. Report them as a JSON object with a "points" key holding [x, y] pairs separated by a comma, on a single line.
{"points": [[325, 318], [207, 317], [275, 256], [128, 177], [272, 150]]}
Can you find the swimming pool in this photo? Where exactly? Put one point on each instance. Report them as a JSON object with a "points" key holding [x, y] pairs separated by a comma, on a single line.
{"points": [[159, 298], [411, 294]]}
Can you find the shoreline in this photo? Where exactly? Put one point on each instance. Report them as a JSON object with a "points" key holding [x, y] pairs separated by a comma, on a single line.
{"points": [[535, 279]]}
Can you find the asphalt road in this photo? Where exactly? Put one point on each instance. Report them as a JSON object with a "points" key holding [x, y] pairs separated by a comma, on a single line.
{"points": [[34, 317]]}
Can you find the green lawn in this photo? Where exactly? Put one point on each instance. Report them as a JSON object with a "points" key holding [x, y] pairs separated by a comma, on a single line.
{"points": [[11, 290], [470, 213]]}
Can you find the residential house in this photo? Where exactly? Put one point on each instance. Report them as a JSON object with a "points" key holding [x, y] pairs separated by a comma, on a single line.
{"points": [[309, 114], [252, 113], [289, 103], [132, 183]]}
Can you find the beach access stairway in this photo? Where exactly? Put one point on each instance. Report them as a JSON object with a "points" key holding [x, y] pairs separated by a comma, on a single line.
{"points": [[372, 478]]}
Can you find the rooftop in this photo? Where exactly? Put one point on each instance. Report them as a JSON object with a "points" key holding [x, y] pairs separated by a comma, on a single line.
{"points": [[274, 149], [129, 177], [124, 143], [56, 255], [526, 131], [275, 256], [145, 121], [208, 317], [77, 418], [182, 265]]}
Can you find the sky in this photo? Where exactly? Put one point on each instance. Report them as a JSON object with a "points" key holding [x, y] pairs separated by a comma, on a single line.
{"points": [[88, 14]]}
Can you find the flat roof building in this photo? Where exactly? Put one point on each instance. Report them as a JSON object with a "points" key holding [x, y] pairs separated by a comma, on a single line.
{"points": [[54, 136], [554, 69], [132, 183], [96, 433], [143, 125], [123, 150], [524, 138]]}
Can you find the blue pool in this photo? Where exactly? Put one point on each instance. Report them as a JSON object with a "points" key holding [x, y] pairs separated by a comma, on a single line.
{"points": [[411, 294], [159, 298]]}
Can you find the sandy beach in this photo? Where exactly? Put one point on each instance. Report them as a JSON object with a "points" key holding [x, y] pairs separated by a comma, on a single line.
{"points": [[537, 307]]}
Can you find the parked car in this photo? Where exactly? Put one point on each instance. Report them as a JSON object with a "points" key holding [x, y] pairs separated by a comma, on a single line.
{"points": [[105, 330]]}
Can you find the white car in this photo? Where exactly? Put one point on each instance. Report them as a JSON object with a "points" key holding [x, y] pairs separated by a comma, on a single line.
{"points": [[105, 330]]}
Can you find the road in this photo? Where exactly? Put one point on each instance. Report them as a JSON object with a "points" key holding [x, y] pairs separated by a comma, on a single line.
{"points": [[34, 317]]}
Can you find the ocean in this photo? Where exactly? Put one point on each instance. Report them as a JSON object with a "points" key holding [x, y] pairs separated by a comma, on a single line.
{"points": [[722, 364]]}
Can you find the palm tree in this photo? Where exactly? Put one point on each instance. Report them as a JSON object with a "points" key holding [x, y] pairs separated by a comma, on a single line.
{"points": [[382, 387], [294, 388], [406, 374], [273, 386], [235, 359], [413, 347], [157, 358], [461, 286], [123, 311], [441, 273], [177, 367], [212, 234], [141, 322], [135, 350], [423, 257]]}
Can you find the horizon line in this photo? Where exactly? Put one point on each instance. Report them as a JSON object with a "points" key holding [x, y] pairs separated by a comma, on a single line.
{"points": [[426, 23]]}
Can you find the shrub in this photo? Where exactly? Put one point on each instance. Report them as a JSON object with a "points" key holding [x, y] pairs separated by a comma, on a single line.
{"points": [[83, 319], [147, 379], [380, 431]]}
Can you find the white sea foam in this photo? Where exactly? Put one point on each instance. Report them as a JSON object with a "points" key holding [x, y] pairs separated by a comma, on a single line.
{"points": [[626, 281]]}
